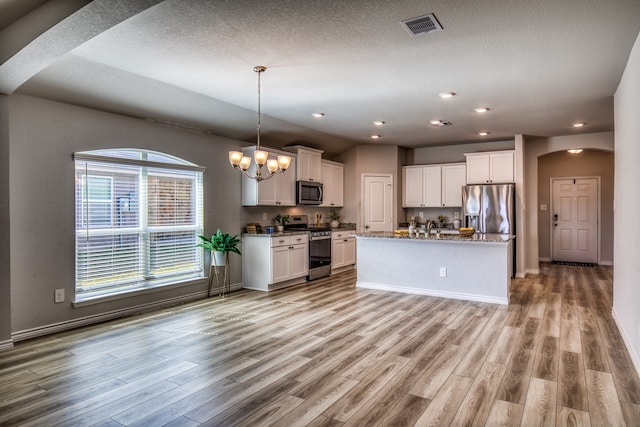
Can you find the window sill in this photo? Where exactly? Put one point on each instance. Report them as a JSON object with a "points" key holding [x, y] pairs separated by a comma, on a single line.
{"points": [[89, 299]]}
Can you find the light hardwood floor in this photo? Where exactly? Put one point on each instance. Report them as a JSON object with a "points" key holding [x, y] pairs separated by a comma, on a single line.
{"points": [[328, 354]]}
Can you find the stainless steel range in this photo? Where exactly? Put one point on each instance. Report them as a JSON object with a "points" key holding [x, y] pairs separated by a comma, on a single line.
{"points": [[319, 246]]}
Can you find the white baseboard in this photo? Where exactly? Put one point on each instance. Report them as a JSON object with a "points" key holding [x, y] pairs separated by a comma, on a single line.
{"points": [[627, 343], [608, 263], [432, 293], [521, 275], [545, 259], [6, 345], [109, 315], [533, 271]]}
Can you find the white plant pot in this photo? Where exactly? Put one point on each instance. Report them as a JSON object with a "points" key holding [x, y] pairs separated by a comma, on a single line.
{"points": [[335, 223], [280, 228], [218, 258]]}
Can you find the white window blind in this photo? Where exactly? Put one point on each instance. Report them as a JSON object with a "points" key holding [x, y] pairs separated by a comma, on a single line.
{"points": [[138, 216]]}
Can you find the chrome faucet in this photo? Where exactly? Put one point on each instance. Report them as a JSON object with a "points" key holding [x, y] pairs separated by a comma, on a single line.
{"points": [[430, 224]]}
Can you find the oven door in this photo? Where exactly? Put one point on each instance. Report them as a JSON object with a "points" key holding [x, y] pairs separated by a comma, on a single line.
{"points": [[319, 257]]}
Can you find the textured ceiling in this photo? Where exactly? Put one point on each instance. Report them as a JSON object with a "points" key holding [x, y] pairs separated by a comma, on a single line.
{"points": [[540, 66]]}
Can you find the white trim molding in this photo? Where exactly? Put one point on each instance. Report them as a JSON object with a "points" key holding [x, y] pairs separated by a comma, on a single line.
{"points": [[634, 357], [110, 315], [6, 345]]}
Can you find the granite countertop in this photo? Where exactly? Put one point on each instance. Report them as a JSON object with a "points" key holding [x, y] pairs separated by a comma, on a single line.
{"points": [[487, 238], [274, 234]]}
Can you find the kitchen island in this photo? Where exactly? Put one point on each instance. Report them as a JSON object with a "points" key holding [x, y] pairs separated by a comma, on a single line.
{"points": [[477, 268]]}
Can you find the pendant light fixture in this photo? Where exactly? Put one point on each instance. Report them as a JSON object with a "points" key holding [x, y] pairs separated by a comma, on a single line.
{"points": [[241, 162]]}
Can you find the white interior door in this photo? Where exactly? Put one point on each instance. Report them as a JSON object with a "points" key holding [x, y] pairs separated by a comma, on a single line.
{"points": [[575, 220], [377, 202]]}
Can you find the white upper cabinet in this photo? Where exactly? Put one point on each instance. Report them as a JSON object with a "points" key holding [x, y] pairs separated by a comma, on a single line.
{"points": [[279, 190], [309, 163], [332, 184], [493, 167], [453, 179], [433, 185]]}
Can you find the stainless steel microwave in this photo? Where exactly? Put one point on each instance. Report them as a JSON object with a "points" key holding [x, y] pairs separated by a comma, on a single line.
{"points": [[309, 193]]}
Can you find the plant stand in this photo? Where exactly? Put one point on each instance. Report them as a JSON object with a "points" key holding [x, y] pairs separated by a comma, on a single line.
{"points": [[221, 274]]}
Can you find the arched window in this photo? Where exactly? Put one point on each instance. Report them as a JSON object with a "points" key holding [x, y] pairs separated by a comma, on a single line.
{"points": [[138, 216]]}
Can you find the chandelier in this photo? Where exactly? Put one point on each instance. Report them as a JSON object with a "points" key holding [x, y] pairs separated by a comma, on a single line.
{"points": [[241, 162]]}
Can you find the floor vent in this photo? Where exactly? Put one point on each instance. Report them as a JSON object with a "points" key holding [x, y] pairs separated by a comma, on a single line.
{"points": [[573, 264], [421, 24]]}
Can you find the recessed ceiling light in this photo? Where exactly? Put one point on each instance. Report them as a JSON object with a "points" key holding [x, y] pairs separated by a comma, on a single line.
{"points": [[378, 122], [575, 150], [578, 125], [375, 136], [317, 115], [483, 133], [446, 94], [481, 109]]}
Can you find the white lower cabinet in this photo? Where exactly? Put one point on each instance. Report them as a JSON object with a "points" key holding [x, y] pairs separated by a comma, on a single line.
{"points": [[343, 249], [274, 262]]}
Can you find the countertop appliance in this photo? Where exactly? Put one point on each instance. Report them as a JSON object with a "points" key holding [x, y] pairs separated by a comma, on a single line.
{"points": [[489, 208], [319, 246], [309, 193]]}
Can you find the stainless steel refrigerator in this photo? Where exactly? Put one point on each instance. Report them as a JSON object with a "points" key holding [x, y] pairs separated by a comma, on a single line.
{"points": [[489, 208]]}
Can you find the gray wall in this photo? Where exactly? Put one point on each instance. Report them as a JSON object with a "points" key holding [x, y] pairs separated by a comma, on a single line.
{"points": [[5, 276], [43, 136], [588, 163], [452, 153]]}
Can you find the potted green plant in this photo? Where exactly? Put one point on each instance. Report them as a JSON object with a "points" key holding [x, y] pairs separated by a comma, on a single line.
{"points": [[334, 217], [220, 244], [280, 221]]}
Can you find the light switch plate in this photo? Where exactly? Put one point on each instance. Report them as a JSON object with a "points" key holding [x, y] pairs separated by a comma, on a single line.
{"points": [[59, 295], [543, 207]]}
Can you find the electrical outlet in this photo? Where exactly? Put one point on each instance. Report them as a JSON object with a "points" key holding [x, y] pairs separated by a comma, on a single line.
{"points": [[58, 295], [443, 271], [421, 214], [264, 216]]}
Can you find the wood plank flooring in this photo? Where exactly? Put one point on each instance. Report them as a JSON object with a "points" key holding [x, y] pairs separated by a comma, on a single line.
{"points": [[328, 354]]}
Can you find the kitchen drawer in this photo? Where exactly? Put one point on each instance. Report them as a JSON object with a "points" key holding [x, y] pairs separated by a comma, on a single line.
{"points": [[294, 239], [342, 234]]}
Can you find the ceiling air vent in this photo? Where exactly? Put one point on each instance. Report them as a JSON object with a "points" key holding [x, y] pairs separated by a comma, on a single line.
{"points": [[421, 24]]}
